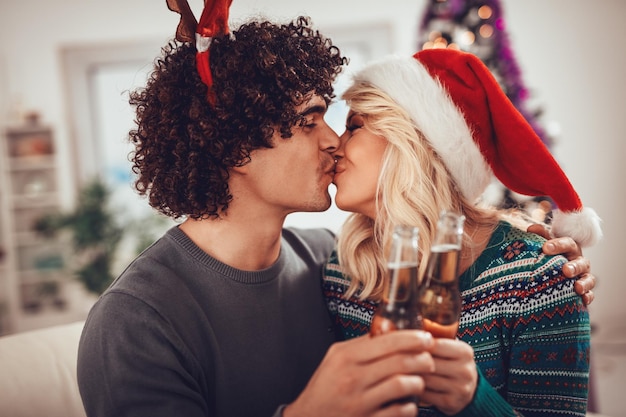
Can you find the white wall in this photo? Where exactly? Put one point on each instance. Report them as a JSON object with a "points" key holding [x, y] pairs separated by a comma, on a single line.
{"points": [[571, 53], [571, 56]]}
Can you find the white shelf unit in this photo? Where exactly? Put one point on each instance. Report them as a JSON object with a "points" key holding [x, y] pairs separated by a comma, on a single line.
{"points": [[34, 274]]}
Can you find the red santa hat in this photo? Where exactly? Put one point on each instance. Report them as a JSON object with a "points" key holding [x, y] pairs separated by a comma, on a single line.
{"points": [[460, 108]]}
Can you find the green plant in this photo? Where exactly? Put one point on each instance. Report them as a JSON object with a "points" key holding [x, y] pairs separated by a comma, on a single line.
{"points": [[95, 235]]}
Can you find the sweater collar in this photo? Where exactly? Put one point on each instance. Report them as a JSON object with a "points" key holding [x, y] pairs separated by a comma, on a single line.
{"points": [[245, 277]]}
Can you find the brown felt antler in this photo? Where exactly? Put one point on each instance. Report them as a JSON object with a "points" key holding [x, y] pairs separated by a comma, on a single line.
{"points": [[186, 30]]}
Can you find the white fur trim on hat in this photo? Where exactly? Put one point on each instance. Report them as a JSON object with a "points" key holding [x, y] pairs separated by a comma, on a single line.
{"points": [[436, 116], [582, 226]]}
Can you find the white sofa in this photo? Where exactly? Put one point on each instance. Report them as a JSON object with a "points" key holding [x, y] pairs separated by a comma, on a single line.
{"points": [[38, 373]]}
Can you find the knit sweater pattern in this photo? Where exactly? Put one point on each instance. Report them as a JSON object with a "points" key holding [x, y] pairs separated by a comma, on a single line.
{"points": [[529, 330]]}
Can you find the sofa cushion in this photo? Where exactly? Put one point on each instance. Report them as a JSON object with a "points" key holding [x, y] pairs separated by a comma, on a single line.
{"points": [[38, 373]]}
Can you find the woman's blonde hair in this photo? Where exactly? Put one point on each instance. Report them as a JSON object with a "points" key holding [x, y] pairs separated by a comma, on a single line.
{"points": [[413, 188]]}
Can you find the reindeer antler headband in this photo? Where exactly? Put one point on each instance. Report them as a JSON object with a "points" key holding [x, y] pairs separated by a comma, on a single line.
{"points": [[213, 22]]}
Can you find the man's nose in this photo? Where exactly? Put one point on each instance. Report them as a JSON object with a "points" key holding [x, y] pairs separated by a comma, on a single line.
{"points": [[330, 140], [338, 152]]}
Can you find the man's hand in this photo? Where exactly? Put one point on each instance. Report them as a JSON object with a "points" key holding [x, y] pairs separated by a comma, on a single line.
{"points": [[578, 266], [363, 377]]}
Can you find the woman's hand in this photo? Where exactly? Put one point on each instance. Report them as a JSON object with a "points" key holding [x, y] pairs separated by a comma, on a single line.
{"points": [[453, 384], [578, 266]]}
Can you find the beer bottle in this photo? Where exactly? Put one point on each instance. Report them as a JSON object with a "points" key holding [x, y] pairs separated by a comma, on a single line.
{"points": [[398, 308], [439, 296]]}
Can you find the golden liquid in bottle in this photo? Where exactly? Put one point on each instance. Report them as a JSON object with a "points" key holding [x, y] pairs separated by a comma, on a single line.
{"points": [[439, 299], [398, 308], [443, 264]]}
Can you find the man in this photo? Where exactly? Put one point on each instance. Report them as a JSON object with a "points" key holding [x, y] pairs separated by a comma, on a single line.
{"points": [[224, 315]]}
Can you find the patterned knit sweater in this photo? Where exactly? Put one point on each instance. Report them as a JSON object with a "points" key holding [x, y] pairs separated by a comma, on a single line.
{"points": [[529, 330]]}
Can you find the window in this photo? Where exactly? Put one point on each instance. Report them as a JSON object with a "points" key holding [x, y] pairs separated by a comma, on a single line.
{"points": [[99, 78]]}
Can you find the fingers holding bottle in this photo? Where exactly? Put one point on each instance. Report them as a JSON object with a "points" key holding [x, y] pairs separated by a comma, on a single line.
{"points": [[451, 387], [368, 377]]}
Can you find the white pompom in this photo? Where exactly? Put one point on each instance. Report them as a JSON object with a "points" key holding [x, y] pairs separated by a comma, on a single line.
{"points": [[582, 226]]}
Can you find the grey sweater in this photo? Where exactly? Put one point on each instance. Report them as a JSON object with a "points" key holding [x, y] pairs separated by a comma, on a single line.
{"points": [[182, 334]]}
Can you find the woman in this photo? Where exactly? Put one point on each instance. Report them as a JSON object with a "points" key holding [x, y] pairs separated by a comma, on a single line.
{"points": [[424, 134]]}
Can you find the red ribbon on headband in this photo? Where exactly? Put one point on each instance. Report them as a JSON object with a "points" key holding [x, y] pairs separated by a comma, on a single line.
{"points": [[213, 22], [214, 18]]}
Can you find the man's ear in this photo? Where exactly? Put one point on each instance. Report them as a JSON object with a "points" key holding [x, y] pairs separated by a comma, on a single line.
{"points": [[242, 168]]}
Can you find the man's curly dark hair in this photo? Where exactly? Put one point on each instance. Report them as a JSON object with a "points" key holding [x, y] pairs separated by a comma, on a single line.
{"points": [[184, 146]]}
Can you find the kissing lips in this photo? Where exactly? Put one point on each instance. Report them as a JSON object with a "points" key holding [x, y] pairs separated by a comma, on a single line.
{"points": [[338, 170], [331, 167]]}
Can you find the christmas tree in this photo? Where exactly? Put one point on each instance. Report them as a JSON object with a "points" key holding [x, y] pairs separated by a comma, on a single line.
{"points": [[478, 27]]}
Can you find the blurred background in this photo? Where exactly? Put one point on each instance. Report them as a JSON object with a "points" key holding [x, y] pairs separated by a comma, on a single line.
{"points": [[70, 222]]}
